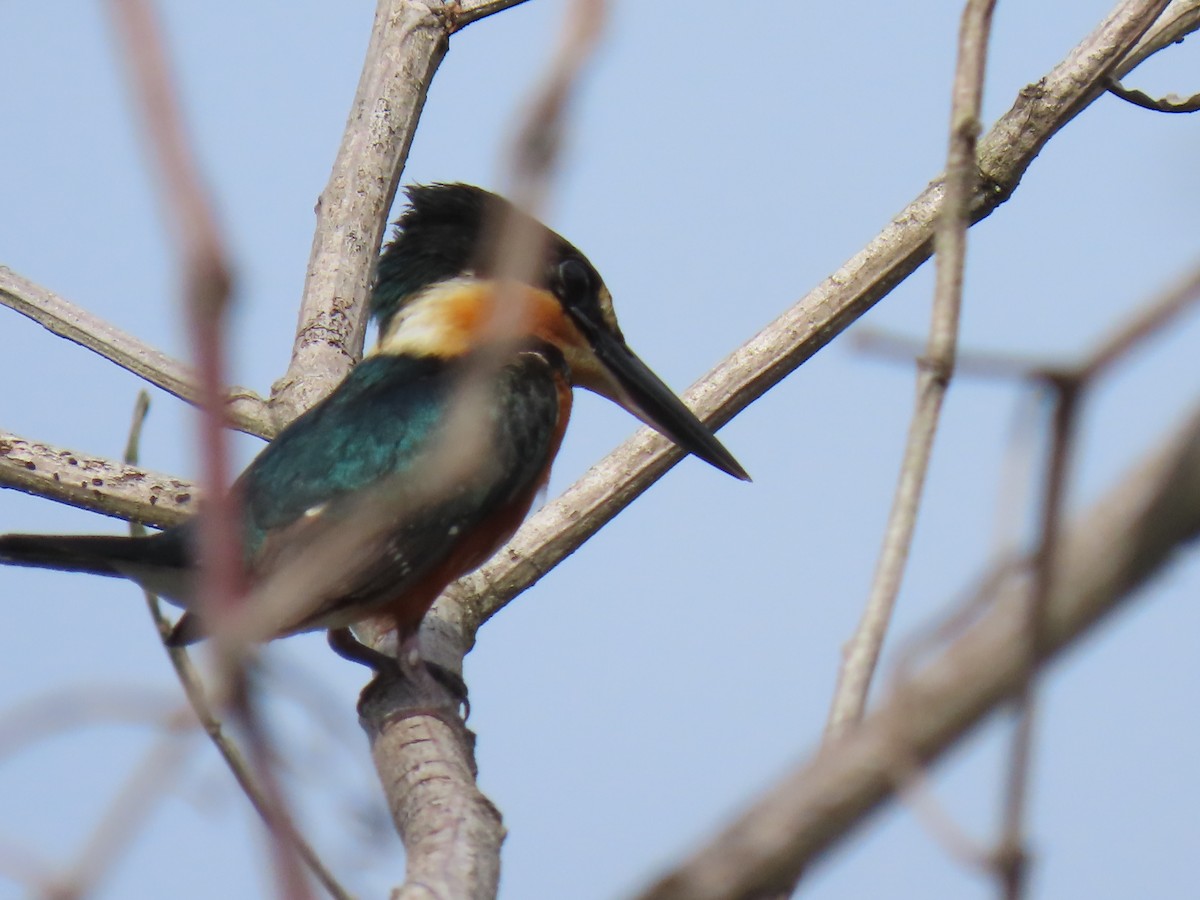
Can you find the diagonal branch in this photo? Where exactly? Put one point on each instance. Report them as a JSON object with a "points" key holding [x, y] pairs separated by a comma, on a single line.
{"points": [[246, 410], [95, 483], [1111, 551]]}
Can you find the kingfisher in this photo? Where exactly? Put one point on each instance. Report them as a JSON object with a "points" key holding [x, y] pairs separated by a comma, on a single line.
{"points": [[426, 458]]}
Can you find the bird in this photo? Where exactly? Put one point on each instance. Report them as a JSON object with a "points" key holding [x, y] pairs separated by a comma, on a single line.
{"points": [[426, 458]]}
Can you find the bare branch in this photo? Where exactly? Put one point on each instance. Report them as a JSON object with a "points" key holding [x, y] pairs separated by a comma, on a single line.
{"points": [[408, 41], [1108, 554], [934, 371], [246, 410], [1169, 103], [1178, 20], [425, 759], [464, 12], [94, 483]]}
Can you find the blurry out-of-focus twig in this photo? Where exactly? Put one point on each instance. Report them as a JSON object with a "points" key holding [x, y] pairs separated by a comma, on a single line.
{"points": [[207, 286], [1019, 616], [936, 367], [1108, 553], [1144, 324], [207, 289], [146, 784], [1069, 384]]}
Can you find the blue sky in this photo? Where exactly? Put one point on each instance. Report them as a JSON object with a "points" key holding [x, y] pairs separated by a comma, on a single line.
{"points": [[721, 162]]}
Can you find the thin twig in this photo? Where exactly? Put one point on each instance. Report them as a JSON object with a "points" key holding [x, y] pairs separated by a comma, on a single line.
{"points": [[1168, 103], [1111, 551], [1177, 21], [464, 12], [246, 410], [1070, 386], [193, 689], [935, 369]]}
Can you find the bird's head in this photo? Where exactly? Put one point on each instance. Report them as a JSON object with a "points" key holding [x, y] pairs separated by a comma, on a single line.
{"points": [[441, 289]]}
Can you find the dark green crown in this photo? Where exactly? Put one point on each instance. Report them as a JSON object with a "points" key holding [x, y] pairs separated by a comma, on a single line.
{"points": [[446, 231]]}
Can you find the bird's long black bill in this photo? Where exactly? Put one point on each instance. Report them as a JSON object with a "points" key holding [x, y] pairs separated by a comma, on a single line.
{"points": [[648, 398]]}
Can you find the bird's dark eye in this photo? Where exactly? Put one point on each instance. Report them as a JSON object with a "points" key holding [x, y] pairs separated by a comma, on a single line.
{"points": [[575, 281]]}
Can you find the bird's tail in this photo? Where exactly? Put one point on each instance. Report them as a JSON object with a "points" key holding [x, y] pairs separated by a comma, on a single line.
{"points": [[94, 554]]}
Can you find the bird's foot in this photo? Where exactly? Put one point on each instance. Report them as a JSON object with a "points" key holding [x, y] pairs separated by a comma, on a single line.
{"points": [[347, 646], [425, 677]]}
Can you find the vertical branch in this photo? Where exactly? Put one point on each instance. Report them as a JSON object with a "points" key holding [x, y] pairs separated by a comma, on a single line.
{"points": [[426, 763], [406, 47], [1011, 858], [423, 752], [934, 372]]}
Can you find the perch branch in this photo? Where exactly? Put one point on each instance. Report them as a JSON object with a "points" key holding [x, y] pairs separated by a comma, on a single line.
{"points": [[934, 371]]}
